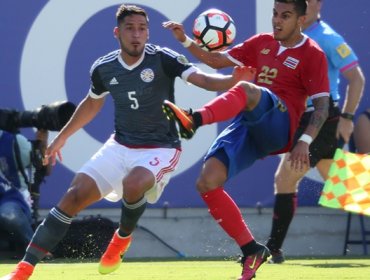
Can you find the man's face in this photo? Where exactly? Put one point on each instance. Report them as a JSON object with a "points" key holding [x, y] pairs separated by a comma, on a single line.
{"points": [[132, 34], [285, 22]]}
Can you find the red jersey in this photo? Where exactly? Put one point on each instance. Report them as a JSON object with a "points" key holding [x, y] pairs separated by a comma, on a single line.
{"points": [[292, 74]]}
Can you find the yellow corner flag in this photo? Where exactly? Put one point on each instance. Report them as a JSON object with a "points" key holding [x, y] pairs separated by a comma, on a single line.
{"points": [[348, 184]]}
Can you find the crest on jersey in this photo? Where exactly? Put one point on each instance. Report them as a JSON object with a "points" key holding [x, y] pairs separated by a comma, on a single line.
{"points": [[147, 75], [182, 59], [344, 50], [291, 62]]}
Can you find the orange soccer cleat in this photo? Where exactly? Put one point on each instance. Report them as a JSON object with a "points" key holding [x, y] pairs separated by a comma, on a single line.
{"points": [[23, 271], [112, 257], [183, 118]]}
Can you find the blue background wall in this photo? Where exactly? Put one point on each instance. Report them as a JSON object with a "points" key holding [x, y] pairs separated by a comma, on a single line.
{"points": [[47, 48]]}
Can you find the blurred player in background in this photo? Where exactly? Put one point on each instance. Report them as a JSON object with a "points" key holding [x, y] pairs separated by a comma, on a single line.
{"points": [[267, 113], [341, 60], [135, 164]]}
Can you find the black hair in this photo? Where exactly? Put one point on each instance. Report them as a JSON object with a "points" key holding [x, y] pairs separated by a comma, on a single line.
{"points": [[127, 10], [300, 6]]}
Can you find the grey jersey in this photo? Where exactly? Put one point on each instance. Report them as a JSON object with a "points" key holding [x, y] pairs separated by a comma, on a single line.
{"points": [[138, 92]]}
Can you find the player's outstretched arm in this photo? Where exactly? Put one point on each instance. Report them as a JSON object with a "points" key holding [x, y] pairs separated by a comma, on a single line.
{"points": [[215, 60], [219, 82], [84, 113]]}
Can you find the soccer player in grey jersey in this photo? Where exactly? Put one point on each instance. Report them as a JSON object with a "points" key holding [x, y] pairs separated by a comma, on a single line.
{"points": [[135, 164], [138, 92]]}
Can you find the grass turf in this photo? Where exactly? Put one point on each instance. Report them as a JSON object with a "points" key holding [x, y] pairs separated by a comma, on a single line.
{"points": [[302, 269]]}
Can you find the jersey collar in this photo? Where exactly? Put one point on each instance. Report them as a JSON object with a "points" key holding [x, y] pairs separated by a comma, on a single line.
{"points": [[130, 67], [282, 48]]}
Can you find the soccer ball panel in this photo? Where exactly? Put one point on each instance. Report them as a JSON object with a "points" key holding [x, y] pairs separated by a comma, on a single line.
{"points": [[213, 38], [230, 33], [218, 20]]}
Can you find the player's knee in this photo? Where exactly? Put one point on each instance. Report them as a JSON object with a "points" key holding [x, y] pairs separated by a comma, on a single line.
{"points": [[205, 184], [253, 94], [286, 181], [74, 196], [132, 193], [135, 190]]}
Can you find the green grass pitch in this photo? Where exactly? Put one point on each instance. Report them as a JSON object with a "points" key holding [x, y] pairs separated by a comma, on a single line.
{"points": [[303, 269]]}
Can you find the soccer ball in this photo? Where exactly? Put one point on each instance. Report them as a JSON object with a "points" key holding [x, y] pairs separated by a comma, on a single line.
{"points": [[214, 30]]}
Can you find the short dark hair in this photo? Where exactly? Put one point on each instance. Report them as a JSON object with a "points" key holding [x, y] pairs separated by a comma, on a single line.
{"points": [[300, 6], [127, 10]]}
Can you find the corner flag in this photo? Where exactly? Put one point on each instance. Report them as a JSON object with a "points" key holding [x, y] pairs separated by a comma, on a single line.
{"points": [[348, 183]]}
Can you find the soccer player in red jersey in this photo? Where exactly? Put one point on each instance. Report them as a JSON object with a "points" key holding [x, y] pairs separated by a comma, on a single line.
{"points": [[343, 63], [290, 67]]}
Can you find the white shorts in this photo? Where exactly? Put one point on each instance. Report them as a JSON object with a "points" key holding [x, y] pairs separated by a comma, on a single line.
{"points": [[114, 161]]}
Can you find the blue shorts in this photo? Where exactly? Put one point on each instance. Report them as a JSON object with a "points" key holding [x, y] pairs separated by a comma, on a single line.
{"points": [[253, 135]]}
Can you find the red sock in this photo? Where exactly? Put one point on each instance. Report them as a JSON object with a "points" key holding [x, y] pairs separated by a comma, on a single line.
{"points": [[224, 106], [227, 214]]}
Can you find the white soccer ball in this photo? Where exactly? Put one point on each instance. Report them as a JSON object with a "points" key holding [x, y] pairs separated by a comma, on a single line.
{"points": [[214, 30]]}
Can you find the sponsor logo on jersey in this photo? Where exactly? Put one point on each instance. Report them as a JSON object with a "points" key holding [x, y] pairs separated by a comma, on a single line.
{"points": [[281, 106], [182, 59], [343, 50], [265, 51], [147, 75], [291, 62], [113, 81]]}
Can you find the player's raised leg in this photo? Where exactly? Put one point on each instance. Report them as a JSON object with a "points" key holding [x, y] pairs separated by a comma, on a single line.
{"points": [[236, 100]]}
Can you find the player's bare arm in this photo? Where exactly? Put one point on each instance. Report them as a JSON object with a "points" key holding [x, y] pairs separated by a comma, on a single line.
{"points": [[216, 60], [299, 156], [218, 82], [85, 112], [319, 115], [356, 83]]}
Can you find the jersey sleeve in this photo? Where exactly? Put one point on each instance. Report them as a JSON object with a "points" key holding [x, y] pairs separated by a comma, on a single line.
{"points": [[176, 65], [340, 53], [315, 74], [97, 87], [244, 53]]}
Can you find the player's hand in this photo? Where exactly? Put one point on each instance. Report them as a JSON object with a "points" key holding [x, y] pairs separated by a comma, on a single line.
{"points": [[53, 151], [299, 157], [177, 29], [244, 73], [345, 129]]}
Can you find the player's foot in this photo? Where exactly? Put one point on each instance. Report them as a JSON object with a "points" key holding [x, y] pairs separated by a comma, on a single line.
{"points": [[112, 257], [23, 271], [277, 257], [183, 118], [252, 262]]}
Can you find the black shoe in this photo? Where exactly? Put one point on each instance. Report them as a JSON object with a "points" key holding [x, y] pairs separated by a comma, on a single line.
{"points": [[277, 257]]}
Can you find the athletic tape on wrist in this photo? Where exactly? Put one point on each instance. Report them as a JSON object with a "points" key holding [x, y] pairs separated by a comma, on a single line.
{"points": [[187, 42], [306, 138]]}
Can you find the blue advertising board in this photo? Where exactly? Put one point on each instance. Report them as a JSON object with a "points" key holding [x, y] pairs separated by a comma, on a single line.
{"points": [[48, 47]]}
